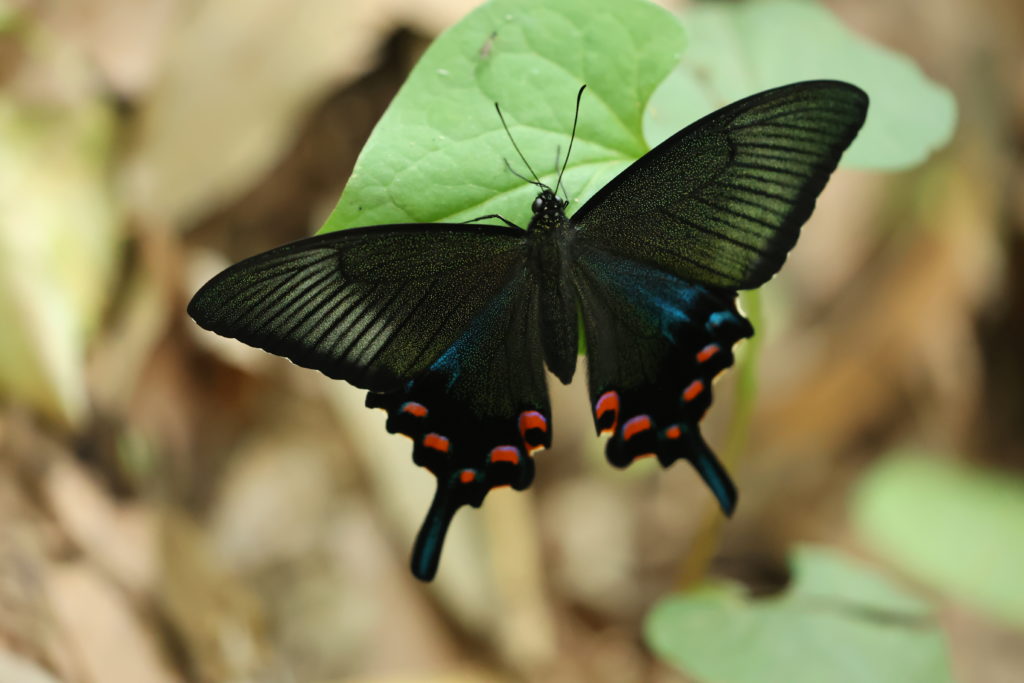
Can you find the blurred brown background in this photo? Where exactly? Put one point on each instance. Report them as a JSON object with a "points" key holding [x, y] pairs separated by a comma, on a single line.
{"points": [[178, 507]]}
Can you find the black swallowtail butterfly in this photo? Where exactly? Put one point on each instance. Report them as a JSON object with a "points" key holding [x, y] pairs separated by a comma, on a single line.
{"points": [[449, 326]]}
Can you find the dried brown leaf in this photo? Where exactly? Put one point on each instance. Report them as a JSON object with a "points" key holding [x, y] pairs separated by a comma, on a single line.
{"points": [[106, 638], [237, 80], [120, 538]]}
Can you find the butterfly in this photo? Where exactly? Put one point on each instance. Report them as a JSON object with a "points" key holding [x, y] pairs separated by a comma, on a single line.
{"points": [[450, 326]]}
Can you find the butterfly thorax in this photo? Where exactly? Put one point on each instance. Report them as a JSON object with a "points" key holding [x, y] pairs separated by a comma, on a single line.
{"points": [[548, 234]]}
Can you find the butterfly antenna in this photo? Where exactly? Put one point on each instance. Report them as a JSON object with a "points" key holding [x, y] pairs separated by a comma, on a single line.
{"points": [[575, 119], [516, 147], [519, 175]]}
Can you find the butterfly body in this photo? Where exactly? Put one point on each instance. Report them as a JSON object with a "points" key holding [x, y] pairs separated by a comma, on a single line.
{"points": [[450, 326], [549, 243]]}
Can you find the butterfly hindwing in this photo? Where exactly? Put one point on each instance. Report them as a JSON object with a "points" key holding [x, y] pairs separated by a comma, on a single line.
{"points": [[722, 201], [654, 345], [477, 412]]}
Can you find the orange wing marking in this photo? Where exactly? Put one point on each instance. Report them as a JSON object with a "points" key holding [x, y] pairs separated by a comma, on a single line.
{"points": [[708, 352], [436, 442], [608, 402], [505, 454], [693, 390], [413, 408], [635, 425]]}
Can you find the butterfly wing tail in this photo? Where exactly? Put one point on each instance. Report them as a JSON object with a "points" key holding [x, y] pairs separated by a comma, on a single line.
{"points": [[426, 553], [697, 452], [469, 455], [680, 441]]}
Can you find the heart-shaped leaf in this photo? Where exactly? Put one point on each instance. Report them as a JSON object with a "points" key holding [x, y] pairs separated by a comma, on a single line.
{"points": [[437, 153]]}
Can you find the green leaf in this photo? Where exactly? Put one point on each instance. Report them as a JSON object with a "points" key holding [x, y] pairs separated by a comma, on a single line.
{"points": [[957, 528], [437, 153], [838, 622], [738, 49]]}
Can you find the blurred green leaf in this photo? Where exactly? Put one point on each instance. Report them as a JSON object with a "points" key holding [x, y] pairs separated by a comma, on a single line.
{"points": [[58, 250], [8, 15], [738, 49], [436, 154], [957, 528], [838, 622]]}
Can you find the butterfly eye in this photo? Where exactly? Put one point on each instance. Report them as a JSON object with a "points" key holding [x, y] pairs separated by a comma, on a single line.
{"points": [[538, 204]]}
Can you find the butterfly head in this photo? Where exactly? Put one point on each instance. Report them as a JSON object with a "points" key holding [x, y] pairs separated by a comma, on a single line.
{"points": [[548, 210]]}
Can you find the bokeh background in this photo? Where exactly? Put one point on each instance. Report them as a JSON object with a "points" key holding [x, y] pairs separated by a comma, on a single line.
{"points": [[178, 507]]}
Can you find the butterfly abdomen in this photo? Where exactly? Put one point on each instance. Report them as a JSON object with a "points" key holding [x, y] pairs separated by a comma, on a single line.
{"points": [[558, 304]]}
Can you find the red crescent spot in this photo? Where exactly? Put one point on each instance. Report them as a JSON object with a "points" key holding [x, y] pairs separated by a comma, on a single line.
{"points": [[708, 352], [467, 476], [673, 432], [505, 454], [413, 408], [635, 425], [609, 401], [436, 442], [531, 419], [693, 390]]}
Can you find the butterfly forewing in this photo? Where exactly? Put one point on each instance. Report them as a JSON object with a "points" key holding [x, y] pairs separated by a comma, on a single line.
{"points": [[722, 201], [373, 306]]}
